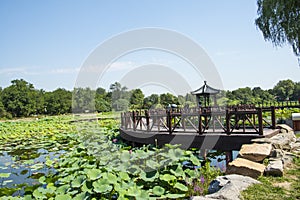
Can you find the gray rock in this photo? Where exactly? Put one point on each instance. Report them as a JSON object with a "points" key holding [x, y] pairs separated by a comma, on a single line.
{"points": [[261, 140], [287, 159], [274, 168], [276, 153], [284, 128], [255, 152], [245, 167], [283, 140], [295, 146], [230, 187]]}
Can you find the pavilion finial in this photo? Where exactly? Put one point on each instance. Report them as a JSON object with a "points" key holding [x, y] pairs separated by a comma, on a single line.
{"points": [[204, 82]]}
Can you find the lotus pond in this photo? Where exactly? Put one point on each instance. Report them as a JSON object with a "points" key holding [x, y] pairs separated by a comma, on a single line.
{"points": [[51, 158]]}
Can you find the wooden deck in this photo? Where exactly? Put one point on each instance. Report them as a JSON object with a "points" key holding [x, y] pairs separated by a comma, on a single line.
{"points": [[213, 140], [215, 128]]}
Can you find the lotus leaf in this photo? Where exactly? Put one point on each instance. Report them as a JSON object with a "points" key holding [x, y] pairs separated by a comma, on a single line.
{"points": [[4, 175], [78, 181], [93, 174], [157, 190], [125, 156], [195, 160], [62, 189], [175, 196], [63, 197], [81, 196], [101, 186], [181, 187], [167, 177], [87, 187]]}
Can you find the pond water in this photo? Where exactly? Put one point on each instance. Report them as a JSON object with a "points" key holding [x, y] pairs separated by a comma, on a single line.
{"points": [[22, 166]]}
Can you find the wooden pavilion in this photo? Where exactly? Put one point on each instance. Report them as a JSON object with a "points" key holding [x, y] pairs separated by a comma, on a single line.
{"points": [[204, 93]]}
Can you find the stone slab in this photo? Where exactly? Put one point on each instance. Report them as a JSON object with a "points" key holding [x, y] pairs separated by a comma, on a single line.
{"points": [[245, 167], [255, 152]]}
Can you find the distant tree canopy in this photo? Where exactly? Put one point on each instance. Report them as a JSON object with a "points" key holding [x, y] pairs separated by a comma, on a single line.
{"points": [[21, 99], [279, 21]]}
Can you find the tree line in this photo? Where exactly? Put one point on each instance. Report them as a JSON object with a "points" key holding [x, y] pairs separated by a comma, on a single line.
{"points": [[21, 99]]}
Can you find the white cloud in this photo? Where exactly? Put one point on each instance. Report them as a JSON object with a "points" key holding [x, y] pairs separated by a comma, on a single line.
{"points": [[67, 70]]}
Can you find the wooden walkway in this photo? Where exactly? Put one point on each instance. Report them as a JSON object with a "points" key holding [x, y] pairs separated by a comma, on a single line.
{"points": [[227, 128]]}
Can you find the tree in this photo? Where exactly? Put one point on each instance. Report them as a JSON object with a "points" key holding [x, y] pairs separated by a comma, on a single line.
{"points": [[137, 98], [151, 101], [284, 90], [58, 102], [166, 99], [279, 22], [83, 100], [20, 98], [120, 105], [296, 93]]}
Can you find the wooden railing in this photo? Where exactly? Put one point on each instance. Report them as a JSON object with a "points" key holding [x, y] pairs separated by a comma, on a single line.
{"points": [[230, 119]]}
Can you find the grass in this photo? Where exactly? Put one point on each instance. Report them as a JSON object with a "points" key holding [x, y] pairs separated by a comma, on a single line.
{"points": [[277, 188]]}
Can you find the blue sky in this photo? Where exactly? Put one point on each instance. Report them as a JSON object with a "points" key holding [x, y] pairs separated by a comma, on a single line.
{"points": [[46, 42]]}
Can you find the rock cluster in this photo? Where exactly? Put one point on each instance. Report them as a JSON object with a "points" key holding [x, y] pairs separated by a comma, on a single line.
{"points": [[276, 152]]}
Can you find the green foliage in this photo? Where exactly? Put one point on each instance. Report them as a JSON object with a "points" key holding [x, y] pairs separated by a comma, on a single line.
{"points": [[20, 99], [83, 100], [166, 99], [94, 166], [274, 188], [58, 102], [284, 90], [279, 22], [137, 99]]}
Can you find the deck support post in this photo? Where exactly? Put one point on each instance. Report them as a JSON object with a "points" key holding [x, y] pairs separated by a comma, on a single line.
{"points": [[228, 157], [147, 120], [169, 121], [273, 117], [227, 122], [200, 124], [260, 121], [134, 120]]}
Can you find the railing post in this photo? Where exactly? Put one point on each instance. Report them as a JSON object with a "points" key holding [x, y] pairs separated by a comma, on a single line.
{"points": [[122, 119], [147, 120], [273, 117], [227, 122], [169, 121], [260, 121], [200, 124], [134, 120]]}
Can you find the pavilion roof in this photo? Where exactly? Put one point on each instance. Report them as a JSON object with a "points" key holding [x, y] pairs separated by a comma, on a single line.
{"points": [[205, 90]]}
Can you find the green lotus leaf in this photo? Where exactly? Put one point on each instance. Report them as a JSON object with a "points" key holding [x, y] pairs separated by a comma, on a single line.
{"points": [[125, 156], [124, 176], [93, 174], [167, 177], [63, 197], [87, 187], [195, 160], [174, 196], [62, 189], [152, 164], [42, 179], [78, 181], [81, 196], [4, 175], [149, 176], [7, 181], [112, 178], [178, 171], [101, 186], [191, 173], [38, 195], [157, 190], [181, 187]]}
